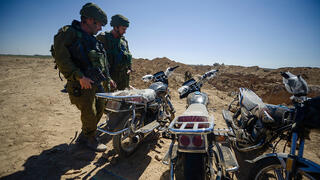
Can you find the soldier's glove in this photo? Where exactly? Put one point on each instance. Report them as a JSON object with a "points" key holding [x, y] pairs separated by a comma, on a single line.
{"points": [[113, 84], [96, 75]]}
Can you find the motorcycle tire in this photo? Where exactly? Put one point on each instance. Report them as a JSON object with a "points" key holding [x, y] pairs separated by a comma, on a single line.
{"points": [[262, 167], [271, 168], [123, 143], [191, 166]]}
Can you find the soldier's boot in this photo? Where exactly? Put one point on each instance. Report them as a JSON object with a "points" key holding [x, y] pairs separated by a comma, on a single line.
{"points": [[94, 144], [91, 142]]}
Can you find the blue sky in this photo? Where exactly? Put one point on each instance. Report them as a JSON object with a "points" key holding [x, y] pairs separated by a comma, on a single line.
{"points": [[266, 33]]}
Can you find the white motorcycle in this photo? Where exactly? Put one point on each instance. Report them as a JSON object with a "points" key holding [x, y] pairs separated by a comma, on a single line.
{"points": [[134, 114], [197, 150]]}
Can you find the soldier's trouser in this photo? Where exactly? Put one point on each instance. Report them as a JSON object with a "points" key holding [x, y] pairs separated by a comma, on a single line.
{"points": [[91, 107], [121, 78]]}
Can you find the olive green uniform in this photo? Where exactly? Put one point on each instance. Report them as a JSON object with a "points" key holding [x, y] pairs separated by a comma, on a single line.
{"points": [[119, 57], [91, 107]]}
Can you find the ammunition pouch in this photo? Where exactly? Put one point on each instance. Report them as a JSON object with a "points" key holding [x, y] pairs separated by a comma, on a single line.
{"points": [[98, 59]]}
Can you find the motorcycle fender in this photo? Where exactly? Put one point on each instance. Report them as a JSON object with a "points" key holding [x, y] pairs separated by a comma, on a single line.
{"points": [[168, 157], [308, 165], [281, 156]]}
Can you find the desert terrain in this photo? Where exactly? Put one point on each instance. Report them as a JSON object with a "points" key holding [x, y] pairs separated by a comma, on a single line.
{"points": [[38, 125]]}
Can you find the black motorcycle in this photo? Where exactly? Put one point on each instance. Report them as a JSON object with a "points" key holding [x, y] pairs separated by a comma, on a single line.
{"points": [[197, 150], [293, 165], [256, 125], [134, 114]]}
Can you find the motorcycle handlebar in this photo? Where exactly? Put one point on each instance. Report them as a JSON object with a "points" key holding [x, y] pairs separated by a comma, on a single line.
{"points": [[210, 74], [173, 68]]}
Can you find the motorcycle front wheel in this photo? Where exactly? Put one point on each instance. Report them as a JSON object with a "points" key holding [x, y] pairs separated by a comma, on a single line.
{"points": [[124, 143], [271, 168]]}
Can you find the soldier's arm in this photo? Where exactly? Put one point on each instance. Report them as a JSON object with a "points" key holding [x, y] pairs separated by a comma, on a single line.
{"points": [[129, 56], [65, 64], [102, 38]]}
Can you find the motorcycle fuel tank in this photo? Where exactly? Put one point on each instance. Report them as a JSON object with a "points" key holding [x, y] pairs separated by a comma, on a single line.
{"points": [[159, 87], [198, 98]]}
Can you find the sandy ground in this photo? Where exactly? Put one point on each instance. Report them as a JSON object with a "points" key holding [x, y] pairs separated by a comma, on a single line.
{"points": [[39, 125]]}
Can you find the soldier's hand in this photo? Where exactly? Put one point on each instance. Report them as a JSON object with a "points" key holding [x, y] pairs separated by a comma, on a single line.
{"points": [[113, 84], [129, 71], [85, 83]]}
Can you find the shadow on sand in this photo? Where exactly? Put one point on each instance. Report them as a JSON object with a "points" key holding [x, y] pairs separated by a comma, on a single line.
{"points": [[55, 162], [132, 167], [69, 160]]}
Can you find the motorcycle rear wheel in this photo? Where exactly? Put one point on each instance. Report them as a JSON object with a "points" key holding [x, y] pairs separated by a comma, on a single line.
{"points": [[123, 143], [191, 166]]}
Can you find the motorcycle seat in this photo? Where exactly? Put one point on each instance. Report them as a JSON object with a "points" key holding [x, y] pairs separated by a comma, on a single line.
{"points": [[250, 100], [138, 95], [196, 110]]}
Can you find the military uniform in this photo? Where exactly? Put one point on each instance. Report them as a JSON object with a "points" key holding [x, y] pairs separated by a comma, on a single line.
{"points": [[88, 47], [119, 58]]}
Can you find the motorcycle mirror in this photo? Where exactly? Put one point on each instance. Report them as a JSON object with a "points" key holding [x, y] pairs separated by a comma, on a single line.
{"points": [[147, 78], [295, 84], [284, 74]]}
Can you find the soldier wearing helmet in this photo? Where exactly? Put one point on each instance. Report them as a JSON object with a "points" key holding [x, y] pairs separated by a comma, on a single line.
{"points": [[117, 50], [76, 52]]}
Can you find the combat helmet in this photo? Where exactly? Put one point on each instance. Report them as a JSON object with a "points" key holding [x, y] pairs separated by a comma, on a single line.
{"points": [[119, 20], [91, 10]]}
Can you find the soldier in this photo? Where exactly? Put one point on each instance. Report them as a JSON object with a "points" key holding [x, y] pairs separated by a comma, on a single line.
{"points": [[117, 50], [187, 76], [82, 60]]}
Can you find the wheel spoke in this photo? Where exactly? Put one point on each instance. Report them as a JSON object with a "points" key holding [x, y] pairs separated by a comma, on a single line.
{"points": [[279, 174], [126, 144]]}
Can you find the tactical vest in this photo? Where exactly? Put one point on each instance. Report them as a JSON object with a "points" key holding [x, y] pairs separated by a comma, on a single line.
{"points": [[118, 53]]}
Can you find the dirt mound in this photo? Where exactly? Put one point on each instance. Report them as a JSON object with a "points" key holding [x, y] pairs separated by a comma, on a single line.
{"points": [[267, 83]]}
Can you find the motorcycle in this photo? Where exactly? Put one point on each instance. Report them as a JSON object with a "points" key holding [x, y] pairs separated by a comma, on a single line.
{"points": [[197, 150], [291, 165], [134, 114], [256, 125]]}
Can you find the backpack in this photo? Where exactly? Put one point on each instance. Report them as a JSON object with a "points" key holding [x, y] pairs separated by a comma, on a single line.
{"points": [[54, 60]]}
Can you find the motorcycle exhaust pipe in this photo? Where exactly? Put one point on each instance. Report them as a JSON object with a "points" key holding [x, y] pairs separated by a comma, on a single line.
{"points": [[144, 131]]}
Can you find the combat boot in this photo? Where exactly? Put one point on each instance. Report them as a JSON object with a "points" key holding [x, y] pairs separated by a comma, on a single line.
{"points": [[91, 142], [94, 144]]}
